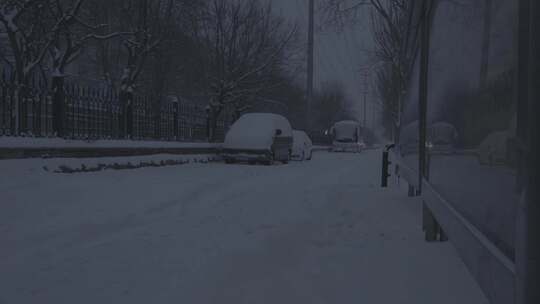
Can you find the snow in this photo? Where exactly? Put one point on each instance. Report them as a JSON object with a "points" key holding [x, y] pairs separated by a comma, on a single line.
{"points": [[309, 232], [37, 143], [256, 131]]}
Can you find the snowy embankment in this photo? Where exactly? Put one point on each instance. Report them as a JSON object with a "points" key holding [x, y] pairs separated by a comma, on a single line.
{"points": [[308, 232], [27, 147], [57, 143]]}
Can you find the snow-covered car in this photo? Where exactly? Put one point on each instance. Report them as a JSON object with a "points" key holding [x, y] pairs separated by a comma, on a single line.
{"points": [[347, 137], [302, 146], [259, 137]]}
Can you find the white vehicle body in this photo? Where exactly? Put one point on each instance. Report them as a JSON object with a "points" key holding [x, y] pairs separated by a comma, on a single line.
{"points": [[347, 137], [442, 137], [302, 146], [256, 137]]}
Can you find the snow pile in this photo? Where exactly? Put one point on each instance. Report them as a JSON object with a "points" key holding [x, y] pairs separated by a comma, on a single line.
{"points": [[120, 163], [256, 131]]}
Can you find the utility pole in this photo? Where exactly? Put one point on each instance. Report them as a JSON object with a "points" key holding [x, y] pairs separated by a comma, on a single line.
{"points": [[423, 90], [309, 87], [528, 211], [430, 225]]}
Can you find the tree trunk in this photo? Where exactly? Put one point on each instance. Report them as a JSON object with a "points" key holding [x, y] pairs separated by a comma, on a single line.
{"points": [[528, 212]]}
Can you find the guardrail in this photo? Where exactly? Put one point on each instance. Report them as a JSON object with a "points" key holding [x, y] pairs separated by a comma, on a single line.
{"points": [[494, 271]]}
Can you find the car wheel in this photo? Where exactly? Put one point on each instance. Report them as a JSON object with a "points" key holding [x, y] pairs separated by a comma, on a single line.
{"points": [[286, 161]]}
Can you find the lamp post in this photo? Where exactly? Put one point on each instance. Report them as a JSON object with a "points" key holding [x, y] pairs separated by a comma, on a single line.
{"points": [[309, 87]]}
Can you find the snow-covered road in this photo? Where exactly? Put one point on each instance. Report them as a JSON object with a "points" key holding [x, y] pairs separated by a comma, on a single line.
{"points": [[313, 232]]}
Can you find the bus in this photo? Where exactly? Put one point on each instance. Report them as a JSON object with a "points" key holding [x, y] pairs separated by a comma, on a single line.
{"points": [[347, 136]]}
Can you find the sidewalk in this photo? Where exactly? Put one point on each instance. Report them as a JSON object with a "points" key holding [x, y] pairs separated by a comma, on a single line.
{"points": [[312, 232]]}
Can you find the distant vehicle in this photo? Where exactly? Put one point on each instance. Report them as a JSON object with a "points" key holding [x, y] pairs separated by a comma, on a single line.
{"points": [[442, 137], [408, 138], [347, 137], [259, 137], [302, 146]]}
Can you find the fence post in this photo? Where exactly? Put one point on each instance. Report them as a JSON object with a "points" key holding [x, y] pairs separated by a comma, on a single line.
{"points": [[58, 100], [175, 119], [208, 111]]}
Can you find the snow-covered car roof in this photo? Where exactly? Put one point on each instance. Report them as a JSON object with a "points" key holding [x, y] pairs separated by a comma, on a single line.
{"points": [[256, 131], [346, 124]]}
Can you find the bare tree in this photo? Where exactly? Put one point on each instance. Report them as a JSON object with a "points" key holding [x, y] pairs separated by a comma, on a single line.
{"points": [[32, 30], [150, 23], [244, 45], [331, 105], [36, 28], [27, 32], [75, 31], [395, 28]]}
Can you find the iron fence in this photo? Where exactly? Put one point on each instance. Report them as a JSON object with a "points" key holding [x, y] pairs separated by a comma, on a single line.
{"points": [[98, 113]]}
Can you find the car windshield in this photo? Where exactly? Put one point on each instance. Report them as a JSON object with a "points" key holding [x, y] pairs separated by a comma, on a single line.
{"points": [[269, 151]]}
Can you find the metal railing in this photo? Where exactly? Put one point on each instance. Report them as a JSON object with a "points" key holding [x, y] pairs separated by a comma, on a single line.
{"points": [[98, 113]]}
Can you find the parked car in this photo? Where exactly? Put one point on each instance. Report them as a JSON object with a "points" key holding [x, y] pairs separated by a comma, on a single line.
{"points": [[346, 136], [302, 146], [259, 137]]}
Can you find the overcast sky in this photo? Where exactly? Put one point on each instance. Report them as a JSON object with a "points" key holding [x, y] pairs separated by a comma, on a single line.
{"points": [[338, 55]]}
